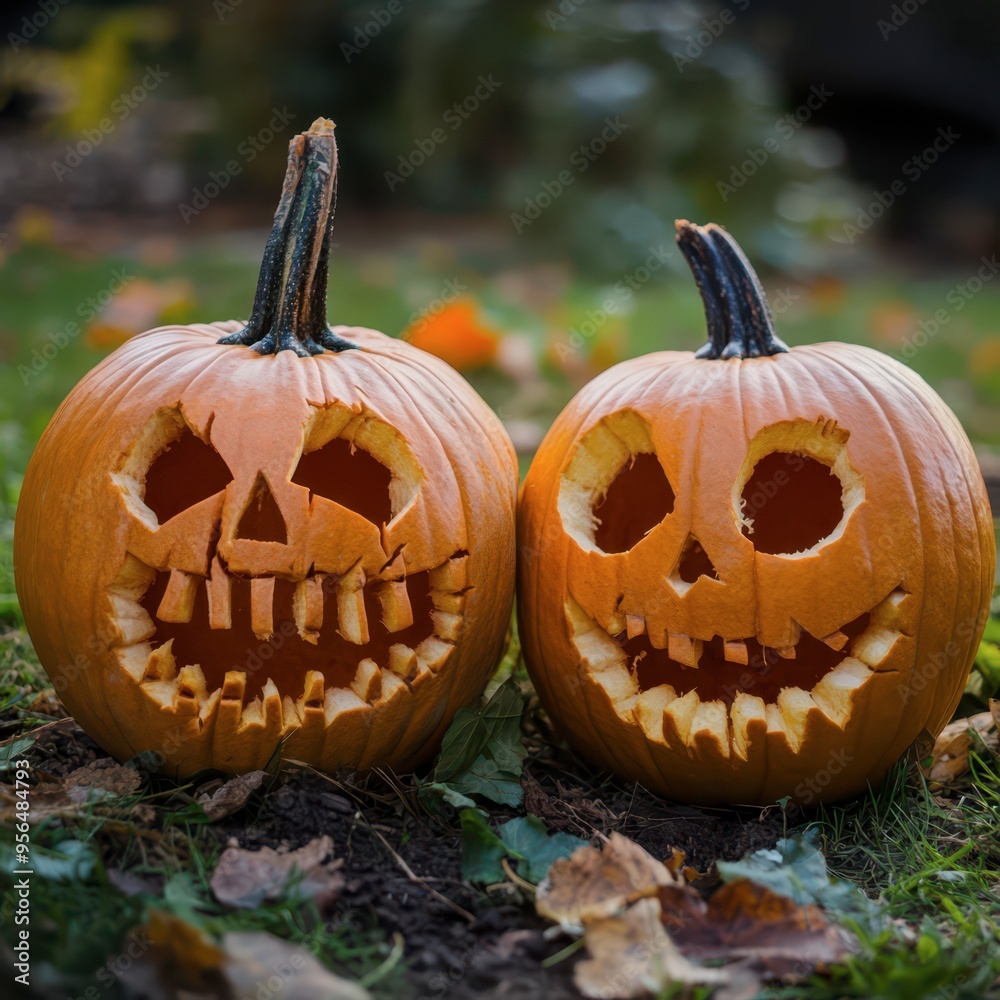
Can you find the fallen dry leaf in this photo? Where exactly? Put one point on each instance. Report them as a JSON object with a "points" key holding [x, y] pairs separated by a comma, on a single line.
{"points": [[593, 883], [232, 796], [257, 962], [245, 879], [950, 756], [64, 798], [676, 864], [176, 959], [631, 955], [742, 920], [995, 711], [105, 775], [183, 943]]}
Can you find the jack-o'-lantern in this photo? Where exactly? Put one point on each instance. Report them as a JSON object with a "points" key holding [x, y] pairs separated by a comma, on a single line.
{"points": [[752, 572], [241, 539]]}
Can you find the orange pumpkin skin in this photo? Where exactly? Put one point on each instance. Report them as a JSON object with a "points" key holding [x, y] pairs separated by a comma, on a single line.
{"points": [[333, 574], [816, 667]]}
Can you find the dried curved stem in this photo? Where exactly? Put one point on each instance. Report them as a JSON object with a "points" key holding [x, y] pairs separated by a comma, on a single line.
{"points": [[736, 310], [289, 308]]}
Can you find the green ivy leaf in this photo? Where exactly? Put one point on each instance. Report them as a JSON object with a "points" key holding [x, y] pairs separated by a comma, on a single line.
{"points": [[482, 849], [796, 868], [527, 838], [524, 839], [482, 753]]}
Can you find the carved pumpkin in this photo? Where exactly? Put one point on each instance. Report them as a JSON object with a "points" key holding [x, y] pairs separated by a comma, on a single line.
{"points": [[238, 539], [752, 572]]}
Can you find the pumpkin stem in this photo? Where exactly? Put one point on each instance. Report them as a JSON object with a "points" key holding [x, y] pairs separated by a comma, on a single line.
{"points": [[736, 310], [289, 308]]}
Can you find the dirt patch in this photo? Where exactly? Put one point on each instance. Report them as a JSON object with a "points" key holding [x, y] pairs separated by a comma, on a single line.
{"points": [[379, 826], [402, 860]]}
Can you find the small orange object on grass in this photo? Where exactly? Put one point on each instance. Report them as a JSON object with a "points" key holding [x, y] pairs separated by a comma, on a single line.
{"points": [[456, 334]]}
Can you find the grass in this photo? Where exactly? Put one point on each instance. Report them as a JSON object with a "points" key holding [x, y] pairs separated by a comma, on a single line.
{"points": [[933, 862]]}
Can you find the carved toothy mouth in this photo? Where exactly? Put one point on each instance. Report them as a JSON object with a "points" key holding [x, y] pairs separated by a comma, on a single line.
{"points": [[266, 646], [677, 687]]}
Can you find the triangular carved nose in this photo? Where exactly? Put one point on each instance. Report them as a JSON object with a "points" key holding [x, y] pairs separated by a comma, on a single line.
{"points": [[695, 562], [262, 520]]}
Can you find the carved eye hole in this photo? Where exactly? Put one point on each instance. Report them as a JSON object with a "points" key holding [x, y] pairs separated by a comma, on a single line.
{"points": [[349, 476], [614, 490], [791, 503], [638, 498], [183, 474]]}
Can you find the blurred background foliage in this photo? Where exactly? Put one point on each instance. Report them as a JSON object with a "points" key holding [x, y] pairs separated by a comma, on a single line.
{"points": [[697, 87], [148, 140]]}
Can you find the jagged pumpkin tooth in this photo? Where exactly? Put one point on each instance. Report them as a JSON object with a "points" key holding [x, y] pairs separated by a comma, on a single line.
{"points": [[367, 682], [634, 625], [262, 607], [735, 651], [161, 665], [177, 603], [835, 640], [352, 619], [684, 649], [307, 608], [403, 661], [219, 586], [394, 599]]}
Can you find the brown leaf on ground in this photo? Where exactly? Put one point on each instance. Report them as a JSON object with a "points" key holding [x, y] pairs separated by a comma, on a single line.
{"points": [[631, 955], [746, 921], [173, 958], [287, 971], [245, 879], [103, 780], [995, 711], [950, 757], [231, 796], [593, 883], [183, 943], [105, 775]]}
